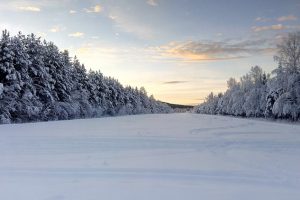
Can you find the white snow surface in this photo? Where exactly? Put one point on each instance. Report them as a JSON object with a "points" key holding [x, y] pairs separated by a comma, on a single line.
{"points": [[162, 156]]}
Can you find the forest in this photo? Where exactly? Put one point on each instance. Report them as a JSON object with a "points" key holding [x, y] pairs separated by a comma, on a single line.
{"points": [[258, 94], [38, 82]]}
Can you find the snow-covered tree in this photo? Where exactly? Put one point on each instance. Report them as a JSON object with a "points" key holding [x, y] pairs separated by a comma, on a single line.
{"points": [[289, 53], [258, 94], [39, 82]]}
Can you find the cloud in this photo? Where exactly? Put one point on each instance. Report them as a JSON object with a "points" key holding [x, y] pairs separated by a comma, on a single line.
{"points": [[195, 51], [76, 34], [174, 82], [32, 5], [72, 11], [29, 8], [96, 9], [268, 28], [287, 18], [262, 19], [56, 29], [152, 2]]}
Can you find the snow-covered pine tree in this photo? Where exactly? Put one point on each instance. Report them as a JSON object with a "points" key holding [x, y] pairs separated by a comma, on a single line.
{"points": [[39, 82]]}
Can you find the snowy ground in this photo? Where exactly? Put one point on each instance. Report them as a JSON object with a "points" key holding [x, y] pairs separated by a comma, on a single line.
{"points": [[167, 157]]}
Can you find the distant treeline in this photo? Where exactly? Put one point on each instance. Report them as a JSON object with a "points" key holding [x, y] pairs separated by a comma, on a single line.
{"points": [[257, 94], [40, 83], [179, 106]]}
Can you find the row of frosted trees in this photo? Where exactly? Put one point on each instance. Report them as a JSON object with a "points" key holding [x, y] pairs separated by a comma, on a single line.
{"points": [[257, 94], [40, 83]]}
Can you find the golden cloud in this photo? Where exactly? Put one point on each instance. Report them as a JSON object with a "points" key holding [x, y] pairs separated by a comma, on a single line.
{"points": [[287, 18], [193, 51], [95, 9], [268, 28]]}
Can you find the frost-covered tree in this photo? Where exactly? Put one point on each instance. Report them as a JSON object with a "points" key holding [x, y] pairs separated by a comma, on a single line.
{"points": [[289, 53], [243, 98], [283, 100], [10, 79], [98, 91], [40, 82], [258, 94]]}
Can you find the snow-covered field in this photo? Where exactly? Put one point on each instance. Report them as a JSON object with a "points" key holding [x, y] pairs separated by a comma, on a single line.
{"points": [[167, 157]]}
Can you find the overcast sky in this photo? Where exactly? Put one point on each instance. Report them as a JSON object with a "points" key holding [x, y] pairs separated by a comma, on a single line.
{"points": [[180, 50]]}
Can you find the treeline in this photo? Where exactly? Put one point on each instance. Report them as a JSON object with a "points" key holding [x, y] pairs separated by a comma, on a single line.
{"points": [[40, 83], [257, 94]]}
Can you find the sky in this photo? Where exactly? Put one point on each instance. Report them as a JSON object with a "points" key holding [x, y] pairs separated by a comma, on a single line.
{"points": [[179, 50]]}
